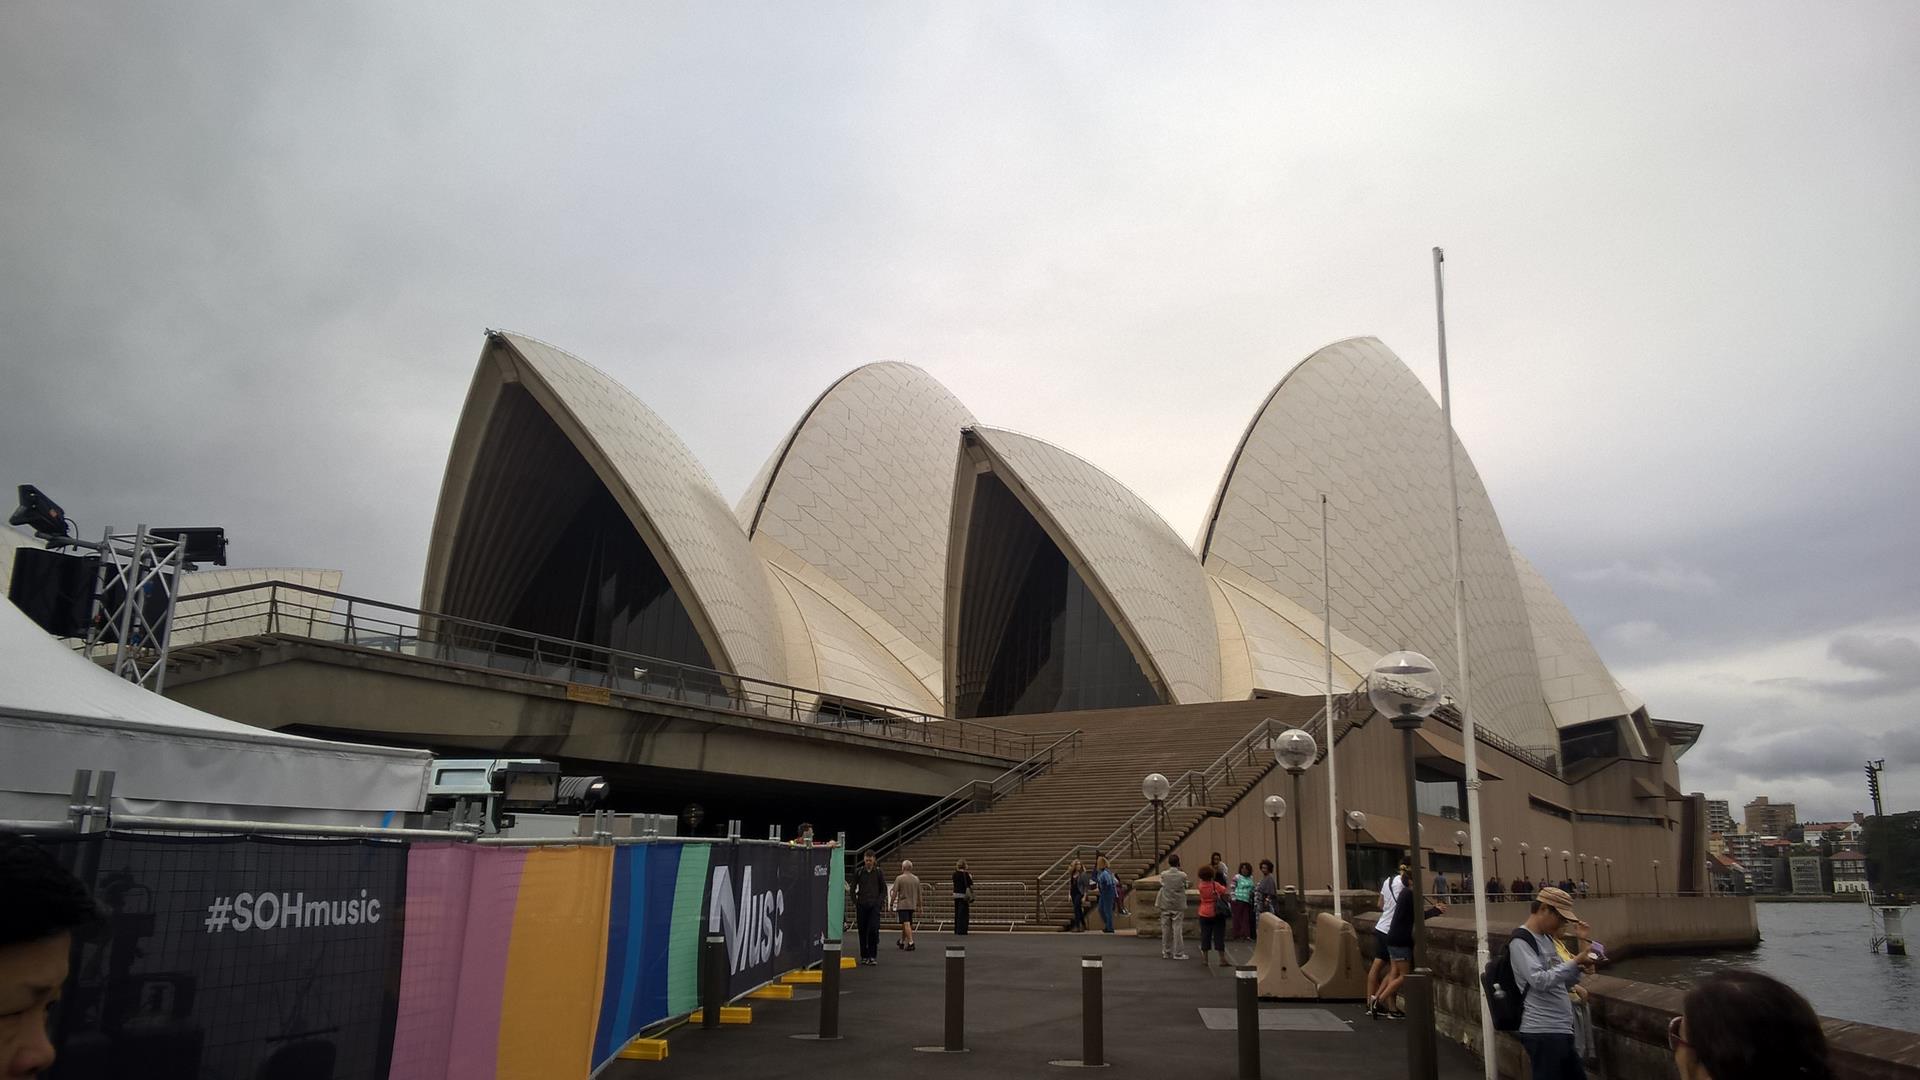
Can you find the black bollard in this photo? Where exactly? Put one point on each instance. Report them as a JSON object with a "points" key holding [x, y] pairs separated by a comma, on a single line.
{"points": [[830, 991], [956, 998], [1247, 1020], [1423, 1061], [1092, 1014], [713, 992]]}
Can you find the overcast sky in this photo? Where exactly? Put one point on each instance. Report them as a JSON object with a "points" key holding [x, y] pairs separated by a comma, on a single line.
{"points": [[247, 252]]}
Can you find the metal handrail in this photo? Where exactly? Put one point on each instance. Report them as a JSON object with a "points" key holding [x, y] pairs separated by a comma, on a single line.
{"points": [[1190, 788], [931, 817], [396, 628]]}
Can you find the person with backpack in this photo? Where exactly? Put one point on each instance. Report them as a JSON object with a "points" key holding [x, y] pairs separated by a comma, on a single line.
{"points": [[1400, 943], [1531, 976]]}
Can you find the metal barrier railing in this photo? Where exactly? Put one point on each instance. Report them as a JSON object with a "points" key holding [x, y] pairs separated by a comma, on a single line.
{"points": [[293, 610], [1004, 905]]}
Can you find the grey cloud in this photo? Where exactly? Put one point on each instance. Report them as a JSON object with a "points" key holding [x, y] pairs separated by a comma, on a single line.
{"points": [[1893, 663], [246, 253]]}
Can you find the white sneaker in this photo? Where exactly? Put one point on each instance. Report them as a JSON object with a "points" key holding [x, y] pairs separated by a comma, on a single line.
{"points": [[1179, 956]]}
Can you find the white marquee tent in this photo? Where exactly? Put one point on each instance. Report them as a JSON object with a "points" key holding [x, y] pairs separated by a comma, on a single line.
{"points": [[60, 712]]}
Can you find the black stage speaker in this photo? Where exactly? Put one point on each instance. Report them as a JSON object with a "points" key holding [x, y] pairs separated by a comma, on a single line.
{"points": [[55, 590]]}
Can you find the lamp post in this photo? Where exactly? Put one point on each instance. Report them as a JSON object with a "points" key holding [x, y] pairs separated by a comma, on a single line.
{"points": [[1566, 863], [1154, 789], [1295, 750], [1609, 877], [1355, 821], [1656, 877], [1405, 688], [1495, 845], [1276, 808], [1583, 866], [1523, 859], [1460, 850]]}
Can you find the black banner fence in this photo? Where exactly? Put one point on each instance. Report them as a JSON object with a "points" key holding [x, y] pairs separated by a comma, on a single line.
{"points": [[239, 958]]}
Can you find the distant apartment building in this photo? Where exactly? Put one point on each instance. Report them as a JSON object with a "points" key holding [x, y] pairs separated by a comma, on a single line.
{"points": [[1719, 816], [1849, 872], [1769, 818], [1805, 873], [1844, 834]]}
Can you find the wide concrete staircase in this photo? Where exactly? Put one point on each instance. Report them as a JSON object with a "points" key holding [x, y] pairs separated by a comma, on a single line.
{"points": [[1015, 846]]}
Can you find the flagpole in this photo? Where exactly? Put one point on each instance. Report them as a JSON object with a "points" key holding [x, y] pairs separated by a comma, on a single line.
{"points": [[1487, 1056], [1333, 775]]}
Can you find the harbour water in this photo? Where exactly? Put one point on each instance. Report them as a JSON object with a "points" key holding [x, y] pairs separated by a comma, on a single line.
{"points": [[1821, 950]]}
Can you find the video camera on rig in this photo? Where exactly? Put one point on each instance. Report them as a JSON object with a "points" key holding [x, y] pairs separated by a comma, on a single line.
{"points": [[481, 793]]}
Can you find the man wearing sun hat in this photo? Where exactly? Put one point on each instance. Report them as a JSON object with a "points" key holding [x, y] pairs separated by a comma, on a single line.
{"points": [[1546, 1022]]}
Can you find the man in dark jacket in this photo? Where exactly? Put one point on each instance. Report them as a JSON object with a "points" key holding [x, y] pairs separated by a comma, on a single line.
{"points": [[869, 896]]}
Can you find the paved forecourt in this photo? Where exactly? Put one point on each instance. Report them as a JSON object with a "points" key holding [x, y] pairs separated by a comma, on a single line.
{"points": [[1023, 1010]]}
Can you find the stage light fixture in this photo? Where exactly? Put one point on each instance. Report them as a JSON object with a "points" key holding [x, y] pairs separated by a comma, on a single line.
{"points": [[204, 544], [41, 513]]}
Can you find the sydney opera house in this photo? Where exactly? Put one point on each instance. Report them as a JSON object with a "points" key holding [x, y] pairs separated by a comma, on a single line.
{"points": [[897, 551]]}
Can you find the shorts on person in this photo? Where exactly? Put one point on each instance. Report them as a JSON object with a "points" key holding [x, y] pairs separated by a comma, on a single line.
{"points": [[906, 916], [1400, 952]]}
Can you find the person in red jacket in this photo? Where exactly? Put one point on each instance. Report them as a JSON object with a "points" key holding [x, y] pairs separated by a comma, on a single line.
{"points": [[1215, 901]]}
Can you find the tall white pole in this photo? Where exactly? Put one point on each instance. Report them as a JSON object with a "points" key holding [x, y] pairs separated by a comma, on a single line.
{"points": [[1333, 775], [1460, 650]]}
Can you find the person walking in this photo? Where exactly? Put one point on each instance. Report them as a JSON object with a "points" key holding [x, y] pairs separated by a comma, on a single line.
{"points": [[1744, 1024], [1171, 903], [1382, 966], [962, 897], [1546, 1018], [906, 901], [1440, 885], [1077, 895], [1400, 942], [1214, 898], [1109, 890], [1243, 886], [869, 896]]}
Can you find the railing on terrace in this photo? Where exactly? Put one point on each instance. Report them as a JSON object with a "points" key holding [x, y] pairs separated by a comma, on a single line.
{"points": [[294, 610], [974, 795], [1193, 788]]}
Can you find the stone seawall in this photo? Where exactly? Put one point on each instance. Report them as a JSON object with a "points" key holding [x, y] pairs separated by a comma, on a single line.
{"points": [[1630, 1018]]}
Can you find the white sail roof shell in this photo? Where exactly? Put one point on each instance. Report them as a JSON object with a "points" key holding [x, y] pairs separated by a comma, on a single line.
{"points": [[1353, 422], [1577, 684], [1153, 587], [862, 490], [671, 501]]}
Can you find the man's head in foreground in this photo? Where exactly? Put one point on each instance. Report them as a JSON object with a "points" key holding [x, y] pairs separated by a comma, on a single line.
{"points": [[41, 905]]}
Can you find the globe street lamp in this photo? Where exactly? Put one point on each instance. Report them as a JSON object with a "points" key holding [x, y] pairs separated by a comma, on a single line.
{"points": [[1656, 877], [1276, 808], [1566, 860], [1609, 877], [1583, 866], [1154, 789], [1405, 688], [1355, 821], [1460, 848], [1495, 845], [1523, 859], [1295, 750]]}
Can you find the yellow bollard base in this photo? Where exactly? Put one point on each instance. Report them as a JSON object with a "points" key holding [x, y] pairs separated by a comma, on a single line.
{"points": [[775, 992], [848, 963], [729, 1014], [644, 1050], [797, 978]]}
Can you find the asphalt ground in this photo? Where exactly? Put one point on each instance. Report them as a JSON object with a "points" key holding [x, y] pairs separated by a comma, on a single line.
{"points": [[1023, 1011]]}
